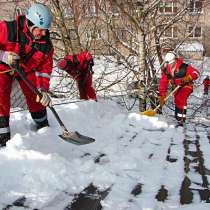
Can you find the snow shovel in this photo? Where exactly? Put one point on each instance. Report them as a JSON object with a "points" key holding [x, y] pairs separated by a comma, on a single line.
{"points": [[69, 136], [152, 112]]}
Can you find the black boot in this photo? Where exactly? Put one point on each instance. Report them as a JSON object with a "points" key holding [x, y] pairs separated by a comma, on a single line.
{"points": [[40, 119], [180, 115], [3, 139], [42, 125], [4, 131]]}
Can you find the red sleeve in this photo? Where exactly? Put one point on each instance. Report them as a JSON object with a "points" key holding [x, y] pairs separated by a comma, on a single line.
{"points": [[3, 33], [70, 70], [88, 56], [69, 57], [163, 86], [194, 73], [44, 71]]}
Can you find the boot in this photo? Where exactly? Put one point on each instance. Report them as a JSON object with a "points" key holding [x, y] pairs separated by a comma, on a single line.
{"points": [[3, 139], [4, 130], [40, 119]]}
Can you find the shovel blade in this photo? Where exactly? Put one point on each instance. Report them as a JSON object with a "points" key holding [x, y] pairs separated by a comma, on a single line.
{"points": [[76, 138], [149, 113]]}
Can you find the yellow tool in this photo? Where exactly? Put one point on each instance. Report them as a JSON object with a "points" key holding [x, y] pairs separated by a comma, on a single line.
{"points": [[152, 112]]}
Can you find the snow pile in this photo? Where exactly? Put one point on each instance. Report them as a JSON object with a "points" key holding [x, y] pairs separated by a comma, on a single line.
{"points": [[129, 149]]}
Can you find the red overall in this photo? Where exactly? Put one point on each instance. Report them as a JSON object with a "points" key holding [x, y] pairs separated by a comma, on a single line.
{"points": [[175, 78], [80, 68], [35, 60]]}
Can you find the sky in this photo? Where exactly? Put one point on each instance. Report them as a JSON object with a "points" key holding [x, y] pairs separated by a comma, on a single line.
{"points": [[131, 148]]}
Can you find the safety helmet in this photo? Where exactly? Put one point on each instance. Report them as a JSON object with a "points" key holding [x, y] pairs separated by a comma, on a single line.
{"points": [[170, 57], [40, 16]]}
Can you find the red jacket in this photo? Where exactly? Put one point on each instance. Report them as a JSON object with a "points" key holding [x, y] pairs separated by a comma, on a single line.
{"points": [[36, 55], [181, 70], [80, 68], [78, 65]]}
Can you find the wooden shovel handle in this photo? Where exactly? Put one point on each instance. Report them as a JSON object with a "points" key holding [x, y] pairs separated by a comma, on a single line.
{"points": [[170, 94]]}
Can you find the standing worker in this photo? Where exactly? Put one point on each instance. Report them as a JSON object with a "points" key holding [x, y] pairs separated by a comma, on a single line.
{"points": [[176, 72], [206, 84], [80, 68], [26, 39]]}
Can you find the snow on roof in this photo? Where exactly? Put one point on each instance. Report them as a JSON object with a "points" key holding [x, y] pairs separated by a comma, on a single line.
{"points": [[191, 47]]}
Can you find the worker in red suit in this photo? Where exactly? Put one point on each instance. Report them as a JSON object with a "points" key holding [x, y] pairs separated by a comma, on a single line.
{"points": [[176, 72], [26, 39], [206, 84], [80, 68]]}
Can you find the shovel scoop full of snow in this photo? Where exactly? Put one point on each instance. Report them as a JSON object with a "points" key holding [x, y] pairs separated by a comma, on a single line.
{"points": [[76, 138]]}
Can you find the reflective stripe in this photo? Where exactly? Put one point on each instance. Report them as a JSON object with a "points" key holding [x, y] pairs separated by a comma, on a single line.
{"points": [[181, 115], [40, 119], [4, 130], [38, 74]]}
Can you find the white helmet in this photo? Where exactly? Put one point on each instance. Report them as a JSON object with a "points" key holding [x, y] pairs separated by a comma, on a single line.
{"points": [[170, 57]]}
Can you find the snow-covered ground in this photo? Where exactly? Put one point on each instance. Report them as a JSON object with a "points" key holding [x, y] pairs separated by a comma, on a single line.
{"points": [[130, 148]]}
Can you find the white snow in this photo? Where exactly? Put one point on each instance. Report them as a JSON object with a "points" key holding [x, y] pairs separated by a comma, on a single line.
{"points": [[42, 167], [194, 46]]}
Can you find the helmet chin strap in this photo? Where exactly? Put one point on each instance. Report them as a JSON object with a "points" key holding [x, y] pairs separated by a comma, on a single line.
{"points": [[31, 28]]}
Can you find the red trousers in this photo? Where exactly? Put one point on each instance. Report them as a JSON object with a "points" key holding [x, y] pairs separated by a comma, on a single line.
{"points": [[181, 96], [5, 91], [86, 89]]}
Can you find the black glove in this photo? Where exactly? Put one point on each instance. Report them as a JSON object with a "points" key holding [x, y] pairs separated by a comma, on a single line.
{"points": [[90, 66]]}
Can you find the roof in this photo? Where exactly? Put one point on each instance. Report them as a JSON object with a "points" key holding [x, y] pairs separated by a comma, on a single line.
{"points": [[191, 47]]}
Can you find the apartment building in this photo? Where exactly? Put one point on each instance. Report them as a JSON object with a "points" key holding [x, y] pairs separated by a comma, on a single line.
{"points": [[193, 30], [102, 27]]}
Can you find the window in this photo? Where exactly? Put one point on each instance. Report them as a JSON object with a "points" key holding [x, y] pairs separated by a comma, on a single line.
{"points": [[90, 10], [195, 32], [115, 10], [171, 32], [168, 7], [93, 34], [20, 11], [68, 12], [122, 34], [195, 6], [54, 35], [72, 34]]}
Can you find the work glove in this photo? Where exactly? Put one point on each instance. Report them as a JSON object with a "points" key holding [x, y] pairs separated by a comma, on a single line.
{"points": [[62, 64], [45, 100], [187, 79], [90, 66], [162, 100], [9, 58]]}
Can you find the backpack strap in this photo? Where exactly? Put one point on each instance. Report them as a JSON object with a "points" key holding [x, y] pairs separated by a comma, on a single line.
{"points": [[170, 77], [177, 75], [22, 40], [182, 71], [75, 60]]}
